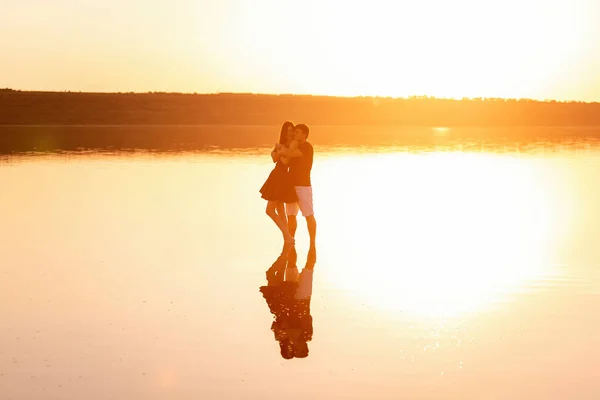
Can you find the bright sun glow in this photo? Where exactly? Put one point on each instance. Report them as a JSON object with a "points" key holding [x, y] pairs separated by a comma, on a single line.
{"points": [[451, 233], [461, 48]]}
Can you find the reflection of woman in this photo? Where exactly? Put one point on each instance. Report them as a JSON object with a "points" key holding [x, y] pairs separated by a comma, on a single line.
{"points": [[289, 303], [278, 189]]}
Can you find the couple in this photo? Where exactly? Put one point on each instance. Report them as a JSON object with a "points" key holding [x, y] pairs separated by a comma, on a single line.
{"points": [[287, 190]]}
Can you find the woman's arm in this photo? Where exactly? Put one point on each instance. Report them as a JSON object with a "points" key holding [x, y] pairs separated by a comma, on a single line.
{"points": [[276, 153]]}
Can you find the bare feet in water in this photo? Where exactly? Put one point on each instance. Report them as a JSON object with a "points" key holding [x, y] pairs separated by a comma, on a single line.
{"points": [[275, 274], [287, 246], [311, 258]]}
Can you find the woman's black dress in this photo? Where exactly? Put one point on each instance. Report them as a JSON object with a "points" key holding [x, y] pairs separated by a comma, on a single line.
{"points": [[278, 186]]}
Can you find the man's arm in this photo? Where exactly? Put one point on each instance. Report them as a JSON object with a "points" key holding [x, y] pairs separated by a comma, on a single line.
{"points": [[292, 151]]}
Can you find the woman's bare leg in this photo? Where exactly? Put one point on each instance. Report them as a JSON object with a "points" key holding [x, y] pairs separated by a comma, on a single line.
{"points": [[289, 239], [280, 208], [279, 221]]}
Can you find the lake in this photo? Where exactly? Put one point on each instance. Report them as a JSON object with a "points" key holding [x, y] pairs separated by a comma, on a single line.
{"points": [[449, 266]]}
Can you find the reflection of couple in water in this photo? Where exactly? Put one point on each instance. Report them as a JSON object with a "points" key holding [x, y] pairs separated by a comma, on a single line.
{"points": [[289, 302], [287, 191]]}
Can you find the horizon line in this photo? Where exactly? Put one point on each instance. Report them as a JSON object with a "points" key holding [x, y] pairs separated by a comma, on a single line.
{"points": [[410, 97]]}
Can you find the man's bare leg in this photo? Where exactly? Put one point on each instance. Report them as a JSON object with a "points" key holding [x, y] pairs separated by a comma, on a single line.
{"points": [[311, 224], [305, 278]]}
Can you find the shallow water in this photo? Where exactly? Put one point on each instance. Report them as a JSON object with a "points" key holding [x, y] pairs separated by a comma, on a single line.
{"points": [[454, 272]]}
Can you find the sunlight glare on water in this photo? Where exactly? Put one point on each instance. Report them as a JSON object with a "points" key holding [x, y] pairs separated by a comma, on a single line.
{"points": [[437, 234]]}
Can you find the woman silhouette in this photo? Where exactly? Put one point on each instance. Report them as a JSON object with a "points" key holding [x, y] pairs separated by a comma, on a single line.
{"points": [[278, 189]]}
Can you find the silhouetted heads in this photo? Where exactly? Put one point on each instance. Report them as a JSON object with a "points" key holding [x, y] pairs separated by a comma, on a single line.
{"points": [[287, 133], [300, 349], [286, 349]]}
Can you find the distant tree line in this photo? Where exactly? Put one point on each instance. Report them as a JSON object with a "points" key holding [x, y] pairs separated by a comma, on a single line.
{"points": [[71, 108]]}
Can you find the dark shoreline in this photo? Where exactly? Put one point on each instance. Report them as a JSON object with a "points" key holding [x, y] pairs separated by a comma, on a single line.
{"points": [[21, 108]]}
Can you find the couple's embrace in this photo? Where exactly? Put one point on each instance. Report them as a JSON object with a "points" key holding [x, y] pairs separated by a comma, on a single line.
{"points": [[288, 190]]}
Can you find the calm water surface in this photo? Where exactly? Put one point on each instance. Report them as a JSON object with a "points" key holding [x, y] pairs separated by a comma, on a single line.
{"points": [[442, 273]]}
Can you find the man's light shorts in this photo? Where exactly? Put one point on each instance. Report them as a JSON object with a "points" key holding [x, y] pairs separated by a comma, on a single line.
{"points": [[305, 202]]}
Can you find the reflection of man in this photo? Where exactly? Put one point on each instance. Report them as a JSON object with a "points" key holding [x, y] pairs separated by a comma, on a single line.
{"points": [[300, 169]]}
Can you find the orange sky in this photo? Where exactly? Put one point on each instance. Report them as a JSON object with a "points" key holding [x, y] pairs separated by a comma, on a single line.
{"points": [[474, 48]]}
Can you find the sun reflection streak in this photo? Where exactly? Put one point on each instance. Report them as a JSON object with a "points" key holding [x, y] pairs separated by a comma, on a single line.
{"points": [[436, 234]]}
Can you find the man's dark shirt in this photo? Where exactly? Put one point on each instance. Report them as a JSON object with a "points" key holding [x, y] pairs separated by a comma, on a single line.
{"points": [[300, 167]]}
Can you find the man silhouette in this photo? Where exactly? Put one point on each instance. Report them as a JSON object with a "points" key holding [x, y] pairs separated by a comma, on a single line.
{"points": [[300, 169]]}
